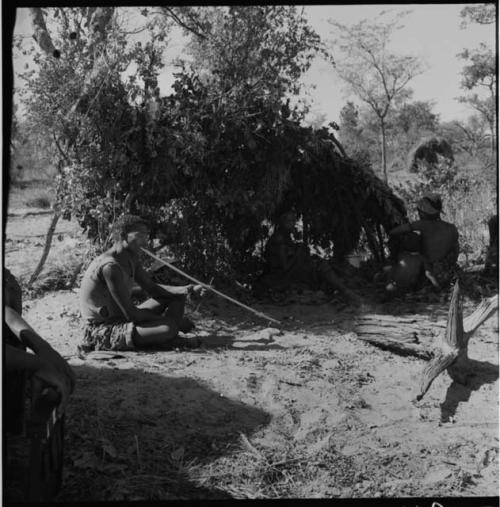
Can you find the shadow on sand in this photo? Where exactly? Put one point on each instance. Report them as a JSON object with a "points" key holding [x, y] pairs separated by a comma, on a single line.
{"points": [[484, 373], [132, 435], [230, 342]]}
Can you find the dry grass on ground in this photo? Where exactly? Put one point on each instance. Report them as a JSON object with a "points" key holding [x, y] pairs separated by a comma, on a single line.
{"points": [[306, 411]]}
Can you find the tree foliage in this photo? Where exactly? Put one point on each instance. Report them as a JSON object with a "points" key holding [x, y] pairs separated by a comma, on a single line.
{"points": [[406, 125], [469, 136], [480, 72], [265, 47], [356, 134], [484, 14]]}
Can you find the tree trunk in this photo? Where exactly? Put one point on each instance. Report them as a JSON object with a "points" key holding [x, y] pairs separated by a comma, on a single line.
{"points": [[451, 353], [40, 33], [406, 336], [395, 344], [493, 141], [411, 336], [372, 242], [46, 248], [384, 148], [380, 242], [492, 122], [450, 344], [480, 314]]}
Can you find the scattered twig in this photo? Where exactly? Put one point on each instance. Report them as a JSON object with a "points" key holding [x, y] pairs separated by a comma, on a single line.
{"points": [[250, 447], [46, 248], [291, 383], [138, 452], [291, 460]]}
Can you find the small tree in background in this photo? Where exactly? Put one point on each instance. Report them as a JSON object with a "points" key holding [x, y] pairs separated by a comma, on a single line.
{"points": [[375, 74], [480, 72]]}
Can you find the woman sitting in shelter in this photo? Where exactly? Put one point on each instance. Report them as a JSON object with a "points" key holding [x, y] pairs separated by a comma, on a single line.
{"points": [[439, 239], [291, 263]]}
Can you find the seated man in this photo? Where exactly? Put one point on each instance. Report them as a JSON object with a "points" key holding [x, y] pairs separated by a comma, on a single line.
{"points": [[112, 321], [289, 262], [439, 239], [45, 363], [410, 267]]}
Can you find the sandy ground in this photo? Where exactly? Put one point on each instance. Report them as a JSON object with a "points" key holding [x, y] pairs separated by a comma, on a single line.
{"points": [[304, 410]]}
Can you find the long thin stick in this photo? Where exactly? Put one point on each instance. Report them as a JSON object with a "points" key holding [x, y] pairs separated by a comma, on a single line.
{"points": [[177, 270]]}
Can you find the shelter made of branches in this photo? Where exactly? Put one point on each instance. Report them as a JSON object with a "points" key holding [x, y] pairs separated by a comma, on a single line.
{"points": [[212, 173]]}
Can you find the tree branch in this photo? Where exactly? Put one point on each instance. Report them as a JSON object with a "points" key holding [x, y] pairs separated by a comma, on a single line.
{"points": [[133, 32], [66, 158], [174, 16]]}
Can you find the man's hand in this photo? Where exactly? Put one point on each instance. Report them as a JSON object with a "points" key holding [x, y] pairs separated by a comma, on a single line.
{"points": [[196, 291], [52, 358], [54, 378]]}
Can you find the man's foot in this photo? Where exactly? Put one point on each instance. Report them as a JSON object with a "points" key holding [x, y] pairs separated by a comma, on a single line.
{"points": [[352, 298], [187, 325], [190, 342]]}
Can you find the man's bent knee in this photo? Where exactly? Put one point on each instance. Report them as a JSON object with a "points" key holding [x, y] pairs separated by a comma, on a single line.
{"points": [[170, 330]]}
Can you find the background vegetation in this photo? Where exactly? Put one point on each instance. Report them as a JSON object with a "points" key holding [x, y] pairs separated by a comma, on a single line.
{"points": [[215, 162]]}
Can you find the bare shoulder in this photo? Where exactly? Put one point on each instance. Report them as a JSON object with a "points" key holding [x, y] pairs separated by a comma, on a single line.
{"points": [[111, 270]]}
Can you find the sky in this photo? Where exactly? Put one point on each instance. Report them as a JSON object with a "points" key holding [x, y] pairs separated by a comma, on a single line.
{"points": [[431, 32]]}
